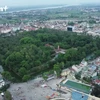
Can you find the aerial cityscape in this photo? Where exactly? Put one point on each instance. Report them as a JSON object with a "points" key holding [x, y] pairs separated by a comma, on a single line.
{"points": [[50, 51]]}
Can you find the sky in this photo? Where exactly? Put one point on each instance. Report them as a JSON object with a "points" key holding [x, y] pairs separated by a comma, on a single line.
{"points": [[43, 2]]}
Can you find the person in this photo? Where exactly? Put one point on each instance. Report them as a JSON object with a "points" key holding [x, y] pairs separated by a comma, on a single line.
{"points": [[82, 96]]}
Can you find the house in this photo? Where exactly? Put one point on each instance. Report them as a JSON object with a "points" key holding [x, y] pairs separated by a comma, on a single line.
{"points": [[70, 28], [15, 28], [65, 72], [92, 68], [6, 30], [2, 83], [97, 62], [97, 82], [29, 28], [83, 63], [94, 74], [76, 68]]}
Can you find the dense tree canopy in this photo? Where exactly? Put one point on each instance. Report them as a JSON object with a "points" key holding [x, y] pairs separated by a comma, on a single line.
{"points": [[30, 53], [7, 96], [96, 90]]}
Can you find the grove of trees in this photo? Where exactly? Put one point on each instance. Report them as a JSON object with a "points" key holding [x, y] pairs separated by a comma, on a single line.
{"points": [[26, 55]]}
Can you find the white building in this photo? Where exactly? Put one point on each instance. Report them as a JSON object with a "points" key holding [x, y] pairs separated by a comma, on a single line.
{"points": [[7, 30], [2, 83]]}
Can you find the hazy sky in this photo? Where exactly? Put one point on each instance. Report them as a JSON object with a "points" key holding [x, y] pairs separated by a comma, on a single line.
{"points": [[43, 2]]}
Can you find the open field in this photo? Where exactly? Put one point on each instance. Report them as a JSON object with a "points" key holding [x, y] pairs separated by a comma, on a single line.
{"points": [[32, 90]]}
